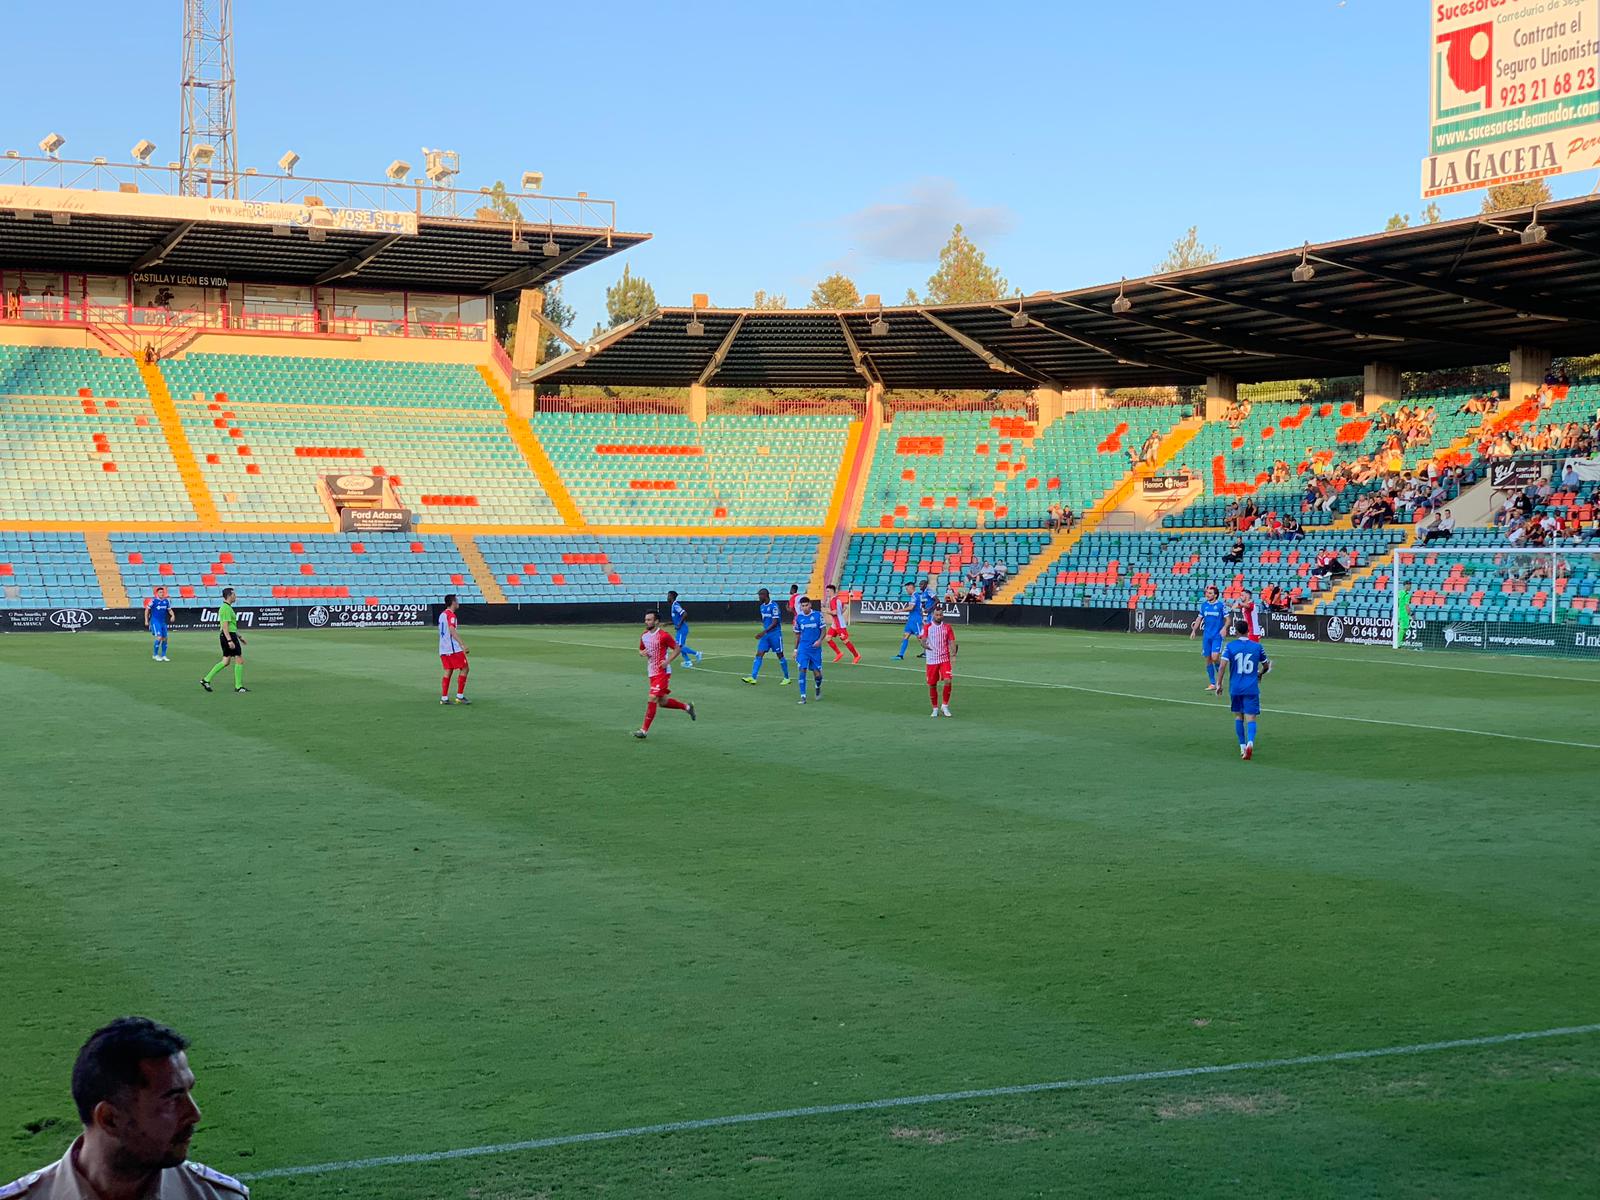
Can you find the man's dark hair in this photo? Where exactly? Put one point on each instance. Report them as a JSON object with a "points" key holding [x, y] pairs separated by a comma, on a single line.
{"points": [[449, 598], [1242, 628], [108, 1063], [650, 612], [226, 592], [672, 595]]}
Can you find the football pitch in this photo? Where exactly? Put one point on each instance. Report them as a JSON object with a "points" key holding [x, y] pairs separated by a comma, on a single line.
{"points": [[394, 929]]}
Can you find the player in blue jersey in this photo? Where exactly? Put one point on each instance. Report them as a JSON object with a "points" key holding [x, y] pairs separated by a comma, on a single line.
{"points": [[1243, 664], [926, 603], [914, 617], [1211, 621], [680, 630], [809, 626], [770, 639], [158, 619]]}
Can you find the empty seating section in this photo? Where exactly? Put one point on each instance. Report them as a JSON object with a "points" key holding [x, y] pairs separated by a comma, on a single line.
{"points": [[1238, 461], [80, 441], [66, 371], [47, 570], [964, 470], [664, 469], [313, 568], [879, 565], [586, 568], [1449, 586], [274, 379], [87, 459], [1160, 570]]}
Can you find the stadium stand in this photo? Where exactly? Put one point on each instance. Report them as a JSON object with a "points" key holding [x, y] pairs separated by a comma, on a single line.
{"points": [[1161, 570], [664, 469], [1505, 587], [878, 566], [965, 470], [47, 570], [81, 442], [582, 568], [331, 568], [280, 379]]}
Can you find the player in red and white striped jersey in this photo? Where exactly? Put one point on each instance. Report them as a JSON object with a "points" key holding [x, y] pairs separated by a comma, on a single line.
{"points": [[1250, 613], [839, 625], [939, 642], [658, 648]]}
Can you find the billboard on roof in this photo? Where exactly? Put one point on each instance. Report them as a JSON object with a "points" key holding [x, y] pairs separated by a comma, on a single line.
{"points": [[222, 209], [1513, 92]]}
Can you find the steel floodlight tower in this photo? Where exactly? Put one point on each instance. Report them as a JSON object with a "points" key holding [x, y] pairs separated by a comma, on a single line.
{"points": [[207, 92]]}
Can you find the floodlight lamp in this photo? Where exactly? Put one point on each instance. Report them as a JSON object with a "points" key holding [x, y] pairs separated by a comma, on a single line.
{"points": [[99, 160], [1019, 319], [879, 327], [142, 150], [288, 162], [1535, 232], [398, 170], [1305, 272], [201, 154], [50, 143], [695, 328], [317, 235], [551, 248], [1122, 304], [519, 245], [532, 181], [281, 231]]}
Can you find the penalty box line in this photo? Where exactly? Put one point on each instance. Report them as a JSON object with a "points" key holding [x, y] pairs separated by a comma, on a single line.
{"points": [[858, 1106]]}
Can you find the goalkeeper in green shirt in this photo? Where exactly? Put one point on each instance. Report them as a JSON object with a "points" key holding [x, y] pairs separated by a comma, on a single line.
{"points": [[232, 645]]}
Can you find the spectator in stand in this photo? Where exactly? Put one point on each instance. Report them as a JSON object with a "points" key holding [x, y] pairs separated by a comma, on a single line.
{"points": [[1292, 529], [1067, 516], [1440, 528], [1272, 524], [1569, 474], [1053, 520], [1274, 597], [1152, 446], [1235, 552], [1327, 564]]}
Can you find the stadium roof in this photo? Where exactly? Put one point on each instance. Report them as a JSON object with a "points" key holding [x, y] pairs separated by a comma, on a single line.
{"points": [[1453, 293], [292, 230]]}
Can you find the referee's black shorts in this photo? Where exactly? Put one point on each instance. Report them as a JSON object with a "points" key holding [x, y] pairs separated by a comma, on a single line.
{"points": [[231, 647]]}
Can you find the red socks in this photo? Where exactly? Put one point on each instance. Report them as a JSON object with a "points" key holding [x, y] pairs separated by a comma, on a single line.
{"points": [[669, 702], [444, 688], [461, 684], [947, 691], [649, 715]]}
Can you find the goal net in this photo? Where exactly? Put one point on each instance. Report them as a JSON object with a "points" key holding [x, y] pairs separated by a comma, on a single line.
{"points": [[1497, 599]]}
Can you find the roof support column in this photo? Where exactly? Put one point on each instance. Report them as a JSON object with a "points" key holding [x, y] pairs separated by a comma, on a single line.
{"points": [[527, 347], [1529, 365], [1051, 405], [1380, 385], [1221, 391], [697, 402], [875, 403]]}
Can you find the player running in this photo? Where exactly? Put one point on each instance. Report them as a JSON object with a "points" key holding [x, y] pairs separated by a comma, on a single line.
{"points": [[939, 642], [680, 627], [232, 644], [1244, 662], [839, 625], [1211, 619], [452, 652], [808, 630], [913, 625], [158, 619], [770, 639], [658, 648]]}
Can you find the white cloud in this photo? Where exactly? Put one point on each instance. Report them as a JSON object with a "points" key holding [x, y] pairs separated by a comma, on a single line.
{"points": [[914, 228]]}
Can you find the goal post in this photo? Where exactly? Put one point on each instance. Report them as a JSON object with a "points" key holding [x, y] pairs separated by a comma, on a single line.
{"points": [[1497, 599]]}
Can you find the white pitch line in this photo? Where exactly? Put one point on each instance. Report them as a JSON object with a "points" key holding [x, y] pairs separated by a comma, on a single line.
{"points": [[856, 1106], [1282, 712]]}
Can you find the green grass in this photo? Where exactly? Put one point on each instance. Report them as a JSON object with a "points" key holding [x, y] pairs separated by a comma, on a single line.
{"points": [[390, 928]]}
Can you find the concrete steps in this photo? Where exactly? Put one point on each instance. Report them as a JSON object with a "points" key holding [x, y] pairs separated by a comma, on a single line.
{"points": [[479, 566], [166, 411], [106, 569]]}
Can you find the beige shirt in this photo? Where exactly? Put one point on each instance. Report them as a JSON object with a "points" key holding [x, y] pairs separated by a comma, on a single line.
{"points": [[61, 1181]]}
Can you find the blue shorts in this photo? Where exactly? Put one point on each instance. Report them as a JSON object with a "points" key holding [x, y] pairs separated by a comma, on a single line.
{"points": [[1247, 706], [158, 630], [1210, 646], [770, 642], [681, 633], [914, 626], [808, 658]]}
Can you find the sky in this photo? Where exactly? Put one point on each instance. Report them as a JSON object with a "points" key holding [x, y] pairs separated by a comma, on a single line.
{"points": [[767, 145]]}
